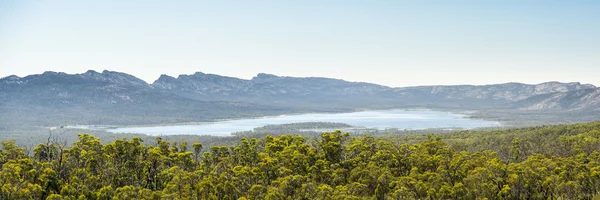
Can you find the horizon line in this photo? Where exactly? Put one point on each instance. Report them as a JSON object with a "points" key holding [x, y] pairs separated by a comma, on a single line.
{"points": [[285, 76]]}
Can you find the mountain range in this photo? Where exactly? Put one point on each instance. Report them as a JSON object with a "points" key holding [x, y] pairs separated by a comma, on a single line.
{"points": [[109, 97], [316, 92]]}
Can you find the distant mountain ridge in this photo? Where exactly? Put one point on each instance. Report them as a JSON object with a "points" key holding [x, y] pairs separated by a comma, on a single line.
{"points": [[263, 87], [584, 99], [115, 97], [107, 98]]}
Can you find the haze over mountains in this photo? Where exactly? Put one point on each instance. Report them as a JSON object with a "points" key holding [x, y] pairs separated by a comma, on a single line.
{"points": [[55, 98], [292, 91]]}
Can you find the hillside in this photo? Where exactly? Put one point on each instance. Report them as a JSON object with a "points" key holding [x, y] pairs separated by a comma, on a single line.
{"points": [[585, 99], [52, 99], [55, 98], [328, 93]]}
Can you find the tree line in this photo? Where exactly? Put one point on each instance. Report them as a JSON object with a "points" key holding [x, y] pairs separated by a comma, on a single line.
{"points": [[507, 164]]}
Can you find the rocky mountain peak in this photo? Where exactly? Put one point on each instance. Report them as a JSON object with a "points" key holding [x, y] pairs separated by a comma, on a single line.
{"points": [[165, 82], [199, 74], [264, 76], [164, 77], [91, 72], [555, 86], [11, 78], [112, 77]]}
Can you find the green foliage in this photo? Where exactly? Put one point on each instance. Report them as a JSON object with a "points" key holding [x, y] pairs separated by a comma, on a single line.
{"points": [[508, 164]]}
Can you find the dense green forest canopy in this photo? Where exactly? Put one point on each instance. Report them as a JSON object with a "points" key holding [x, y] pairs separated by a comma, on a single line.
{"points": [[550, 162]]}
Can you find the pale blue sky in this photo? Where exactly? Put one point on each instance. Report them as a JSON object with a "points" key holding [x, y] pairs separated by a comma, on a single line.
{"points": [[393, 43]]}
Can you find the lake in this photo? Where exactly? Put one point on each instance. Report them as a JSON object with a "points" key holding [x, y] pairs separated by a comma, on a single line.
{"points": [[380, 119]]}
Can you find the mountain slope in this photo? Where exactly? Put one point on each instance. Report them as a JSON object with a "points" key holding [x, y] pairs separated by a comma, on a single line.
{"points": [[308, 93], [329, 93], [110, 97], [585, 99], [107, 98], [506, 91]]}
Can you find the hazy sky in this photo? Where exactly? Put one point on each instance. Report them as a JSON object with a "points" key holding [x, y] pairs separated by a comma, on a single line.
{"points": [[393, 43]]}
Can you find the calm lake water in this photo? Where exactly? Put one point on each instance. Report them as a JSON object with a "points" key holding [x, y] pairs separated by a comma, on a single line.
{"points": [[382, 119]]}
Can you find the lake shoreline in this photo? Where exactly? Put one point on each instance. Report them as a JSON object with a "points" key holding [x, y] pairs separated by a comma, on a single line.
{"points": [[464, 113], [408, 119]]}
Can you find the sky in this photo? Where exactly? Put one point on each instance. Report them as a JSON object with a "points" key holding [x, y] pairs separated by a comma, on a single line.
{"points": [[393, 43]]}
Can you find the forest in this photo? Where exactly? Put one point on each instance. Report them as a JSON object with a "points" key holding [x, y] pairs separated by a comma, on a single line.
{"points": [[546, 162]]}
